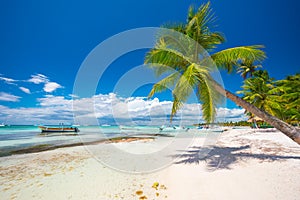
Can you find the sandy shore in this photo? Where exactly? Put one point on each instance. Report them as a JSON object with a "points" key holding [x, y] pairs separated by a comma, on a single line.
{"points": [[243, 164]]}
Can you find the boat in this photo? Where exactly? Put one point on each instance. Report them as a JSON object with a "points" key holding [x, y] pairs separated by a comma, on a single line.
{"points": [[212, 129], [105, 125], [172, 128], [128, 127], [60, 129], [3, 125]]}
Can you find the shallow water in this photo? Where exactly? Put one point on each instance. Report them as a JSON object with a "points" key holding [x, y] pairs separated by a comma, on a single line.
{"points": [[20, 137]]}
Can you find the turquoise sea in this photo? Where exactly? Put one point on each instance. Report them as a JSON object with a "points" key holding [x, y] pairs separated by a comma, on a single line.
{"points": [[16, 137]]}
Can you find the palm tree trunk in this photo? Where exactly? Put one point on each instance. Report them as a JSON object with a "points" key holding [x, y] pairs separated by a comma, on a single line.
{"points": [[290, 131]]}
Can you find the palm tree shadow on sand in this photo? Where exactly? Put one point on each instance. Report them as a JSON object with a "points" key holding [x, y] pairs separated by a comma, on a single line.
{"points": [[223, 157]]}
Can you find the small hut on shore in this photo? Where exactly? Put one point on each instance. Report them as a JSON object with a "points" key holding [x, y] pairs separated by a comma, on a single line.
{"points": [[254, 120]]}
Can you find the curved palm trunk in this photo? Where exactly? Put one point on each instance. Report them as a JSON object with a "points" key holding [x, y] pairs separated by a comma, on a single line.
{"points": [[290, 131]]}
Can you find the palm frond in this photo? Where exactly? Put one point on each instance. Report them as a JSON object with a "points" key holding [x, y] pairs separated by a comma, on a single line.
{"points": [[209, 99], [177, 104], [211, 40], [180, 27], [178, 42], [199, 26], [247, 69], [164, 84], [168, 58], [201, 19], [228, 58], [185, 85]]}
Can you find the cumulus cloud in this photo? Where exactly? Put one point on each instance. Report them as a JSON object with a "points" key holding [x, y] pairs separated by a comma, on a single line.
{"points": [[38, 115], [38, 78], [48, 85], [8, 97], [52, 101], [234, 114], [145, 111], [26, 90], [110, 108], [51, 86], [8, 80]]}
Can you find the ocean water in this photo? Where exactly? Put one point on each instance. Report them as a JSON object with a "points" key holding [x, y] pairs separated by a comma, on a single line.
{"points": [[21, 137]]}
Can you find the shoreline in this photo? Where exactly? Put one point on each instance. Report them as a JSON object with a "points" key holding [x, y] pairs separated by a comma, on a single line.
{"points": [[37, 141], [49, 147]]}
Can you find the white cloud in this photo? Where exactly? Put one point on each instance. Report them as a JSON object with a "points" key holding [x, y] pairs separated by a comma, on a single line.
{"points": [[234, 114], [8, 97], [38, 78], [48, 85], [51, 86], [50, 100], [109, 108], [73, 96], [8, 80], [26, 90]]}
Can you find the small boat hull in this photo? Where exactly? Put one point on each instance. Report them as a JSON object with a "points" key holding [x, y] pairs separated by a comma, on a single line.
{"points": [[46, 129]]}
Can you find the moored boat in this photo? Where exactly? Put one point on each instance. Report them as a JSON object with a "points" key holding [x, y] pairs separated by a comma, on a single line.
{"points": [[3, 125], [61, 129], [172, 128]]}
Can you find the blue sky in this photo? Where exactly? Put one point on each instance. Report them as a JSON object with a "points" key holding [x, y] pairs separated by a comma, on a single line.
{"points": [[43, 44]]}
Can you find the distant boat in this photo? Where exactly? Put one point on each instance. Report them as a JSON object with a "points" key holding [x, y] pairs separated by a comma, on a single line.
{"points": [[61, 129], [105, 125], [172, 128], [130, 128], [211, 129], [3, 125]]}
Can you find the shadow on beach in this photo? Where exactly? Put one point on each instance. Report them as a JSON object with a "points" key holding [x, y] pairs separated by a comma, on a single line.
{"points": [[223, 157]]}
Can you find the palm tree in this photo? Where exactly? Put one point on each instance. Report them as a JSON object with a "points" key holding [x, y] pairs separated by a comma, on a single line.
{"points": [[247, 69], [189, 72], [261, 92], [289, 97]]}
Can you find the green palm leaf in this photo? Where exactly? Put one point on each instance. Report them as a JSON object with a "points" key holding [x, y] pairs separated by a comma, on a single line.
{"points": [[209, 99], [198, 27], [229, 58], [164, 84], [186, 83]]}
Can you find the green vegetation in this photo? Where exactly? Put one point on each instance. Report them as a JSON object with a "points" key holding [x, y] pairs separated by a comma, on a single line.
{"points": [[280, 98], [289, 97], [259, 91], [187, 72], [239, 123], [260, 124], [247, 69], [188, 69]]}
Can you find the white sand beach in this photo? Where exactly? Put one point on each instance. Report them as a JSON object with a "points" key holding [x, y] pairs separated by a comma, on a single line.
{"points": [[243, 164]]}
